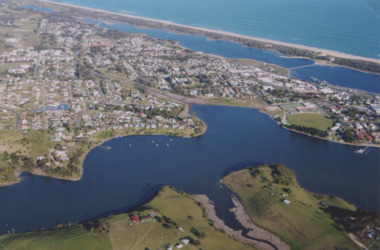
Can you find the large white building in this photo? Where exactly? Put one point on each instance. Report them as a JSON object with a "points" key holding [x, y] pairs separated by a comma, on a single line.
{"points": [[376, 108]]}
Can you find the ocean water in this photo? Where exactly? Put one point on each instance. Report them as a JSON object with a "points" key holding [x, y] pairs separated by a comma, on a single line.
{"points": [[349, 26], [117, 179]]}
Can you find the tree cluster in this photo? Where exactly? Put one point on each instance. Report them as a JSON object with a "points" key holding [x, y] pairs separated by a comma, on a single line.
{"points": [[309, 130]]}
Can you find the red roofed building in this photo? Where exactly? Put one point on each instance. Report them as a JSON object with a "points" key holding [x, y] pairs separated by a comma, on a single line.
{"points": [[134, 217]]}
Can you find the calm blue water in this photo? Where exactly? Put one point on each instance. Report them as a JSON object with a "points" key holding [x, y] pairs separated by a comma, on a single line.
{"points": [[37, 8], [341, 76], [119, 178], [349, 26]]}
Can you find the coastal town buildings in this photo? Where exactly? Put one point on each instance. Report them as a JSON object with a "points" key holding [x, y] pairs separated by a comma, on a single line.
{"points": [[77, 82]]}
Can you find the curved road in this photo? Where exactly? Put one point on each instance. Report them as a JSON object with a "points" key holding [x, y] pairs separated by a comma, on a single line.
{"points": [[17, 114]]}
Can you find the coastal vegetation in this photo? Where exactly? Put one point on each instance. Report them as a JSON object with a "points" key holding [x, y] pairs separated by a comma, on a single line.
{"points": [[276, 202], [314, 55], [308, 130], [171, 216], [34, 153], [117, 94], [269, 193], [111, 92]]}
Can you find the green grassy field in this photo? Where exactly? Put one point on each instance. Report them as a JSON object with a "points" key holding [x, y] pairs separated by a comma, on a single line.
{"points": [[75, 237], [39, 142], [290, 106], [318, 121], [112, 74], [25, 25], [303, 223], [256, 103], [10, 141], [117, 231], [5, 67], [280, 113]]}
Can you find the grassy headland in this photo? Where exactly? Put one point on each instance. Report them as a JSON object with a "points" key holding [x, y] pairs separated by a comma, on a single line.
{"points": [[303, 223], [168, 211]]}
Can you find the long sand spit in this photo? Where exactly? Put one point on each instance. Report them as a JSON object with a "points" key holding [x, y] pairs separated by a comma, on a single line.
{"points": [[256, 236], [169, 24]]}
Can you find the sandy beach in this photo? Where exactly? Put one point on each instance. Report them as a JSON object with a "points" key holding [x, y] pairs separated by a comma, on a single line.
{"points": [[255, 231], [169, 24], [257, 237]]}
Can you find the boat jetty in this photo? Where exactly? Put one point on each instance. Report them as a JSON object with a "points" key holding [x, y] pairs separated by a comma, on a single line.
{"points": [[361, 150]]}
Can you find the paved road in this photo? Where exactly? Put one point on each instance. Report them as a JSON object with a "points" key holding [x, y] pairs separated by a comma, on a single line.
{"points": [[78, 118], [100, 82], [17, 114], [38, 59], [180, 98]]}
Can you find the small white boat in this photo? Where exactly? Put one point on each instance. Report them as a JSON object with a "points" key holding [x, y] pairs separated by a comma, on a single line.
{"points": [[361, 151]]}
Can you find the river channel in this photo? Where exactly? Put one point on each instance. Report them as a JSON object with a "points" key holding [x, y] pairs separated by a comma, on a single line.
{"points": [[135, 167]]}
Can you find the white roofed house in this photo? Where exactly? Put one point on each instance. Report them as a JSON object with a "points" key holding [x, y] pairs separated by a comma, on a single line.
{"points": [[267, 88], [17, 71], [12, 40], [62, 155], [336, 127], [185, 241], [287, 202], [376, 108], [327, 91]]}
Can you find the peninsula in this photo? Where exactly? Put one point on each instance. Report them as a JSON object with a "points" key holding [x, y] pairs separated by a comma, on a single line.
{"points": [[183, 224], [274, 201], [295, 218], [67, 85], [290, 49]]}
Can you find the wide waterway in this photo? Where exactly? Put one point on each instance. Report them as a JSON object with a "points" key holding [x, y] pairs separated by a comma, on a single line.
{"points": [[135, 167], [349, 26], [336, 75]]}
